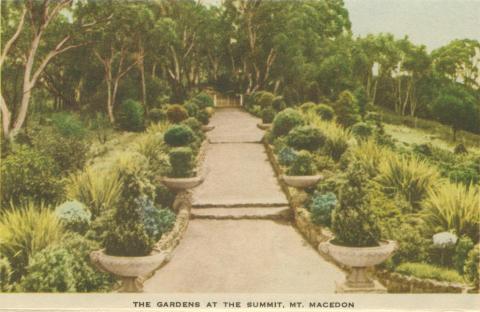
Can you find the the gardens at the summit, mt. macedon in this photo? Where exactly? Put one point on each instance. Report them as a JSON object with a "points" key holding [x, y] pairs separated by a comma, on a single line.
{"points": [[242, 147]]}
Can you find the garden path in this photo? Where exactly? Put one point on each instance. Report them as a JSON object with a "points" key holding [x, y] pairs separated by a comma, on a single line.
{"points": [[232, 243]]}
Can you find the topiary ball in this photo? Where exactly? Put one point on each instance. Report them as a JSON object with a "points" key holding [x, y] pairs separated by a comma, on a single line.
{"points": [[74, 216], [362, 130], [285, 121], [306, 138], [176, 113], [156, 114], [131, 116], [302, 165], [264, 99], [267, 115], [181, 160], [307, 106], [203, 100], [203, 116], [178, 135], [194, 124], [279, 103], [192, 109], [325, 111]]}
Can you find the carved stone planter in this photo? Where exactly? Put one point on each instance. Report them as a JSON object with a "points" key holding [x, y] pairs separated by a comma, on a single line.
{"points": [[182, 183], [359, 259], [206, 128], [264, 126], [301, 181], [128, 269]]}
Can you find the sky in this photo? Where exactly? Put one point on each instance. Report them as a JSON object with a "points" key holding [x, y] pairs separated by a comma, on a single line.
{"points": [[430, 22]]}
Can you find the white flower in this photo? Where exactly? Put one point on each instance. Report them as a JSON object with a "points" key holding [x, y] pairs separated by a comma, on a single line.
{"points": [[444, 239]]}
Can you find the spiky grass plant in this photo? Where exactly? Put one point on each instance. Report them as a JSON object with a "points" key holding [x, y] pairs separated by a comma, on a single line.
{"points": [[25, 230], [371, 155], [453, 207], [99, 191], [338, 138], [408, 176]]}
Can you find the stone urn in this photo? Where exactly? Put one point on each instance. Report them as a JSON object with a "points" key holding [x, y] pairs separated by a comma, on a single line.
{"points": [[301, 182], [206, 128], [128, 269], [181, 184], [358, 259], [264, 126]]}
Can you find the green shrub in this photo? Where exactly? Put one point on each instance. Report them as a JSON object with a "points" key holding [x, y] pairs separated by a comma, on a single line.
{"points": [[68, 125], [321, 207], [27, 173], [325, 111], [463, 247], [203, 117], [195, 125], [151, 146], [286, 156], [164, 197], [176, 113], [411, 177], [74, 216], [127, 236], [336, 146], [178, 135], [87, 277], [354, 221], [279, 104], [472, 266], [285, 121], [50, 270], [268, 114], [26, 230], [306, 138], [423, 270], [5, 275], [98, 191], [156, 221], [131, 116], [181, 160], [302, 165], [203, 100], [452, 207], [362, 130], [192, 109], [346, 110], [69, 153], [264, 99], [156, 115], [307, 106], [65, 267]]}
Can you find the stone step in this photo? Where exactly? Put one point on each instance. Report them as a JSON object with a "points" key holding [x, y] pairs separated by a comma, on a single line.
{"points": [[270, 213], [240, 204]]}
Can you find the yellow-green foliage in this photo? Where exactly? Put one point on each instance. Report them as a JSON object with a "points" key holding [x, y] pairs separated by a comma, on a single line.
{"points": [[26, 230], [98, 190], [423, 270], [371, 155], [159, 127], [453, 207], [338, 138], [408, 176]]}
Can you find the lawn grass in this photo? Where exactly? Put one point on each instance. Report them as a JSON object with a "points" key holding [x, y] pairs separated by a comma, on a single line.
{"points": [[413, 130]]}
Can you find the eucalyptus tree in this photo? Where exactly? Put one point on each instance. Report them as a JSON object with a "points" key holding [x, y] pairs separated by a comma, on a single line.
{"points": [[459, 61], [36, 32], [116, 44]]}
